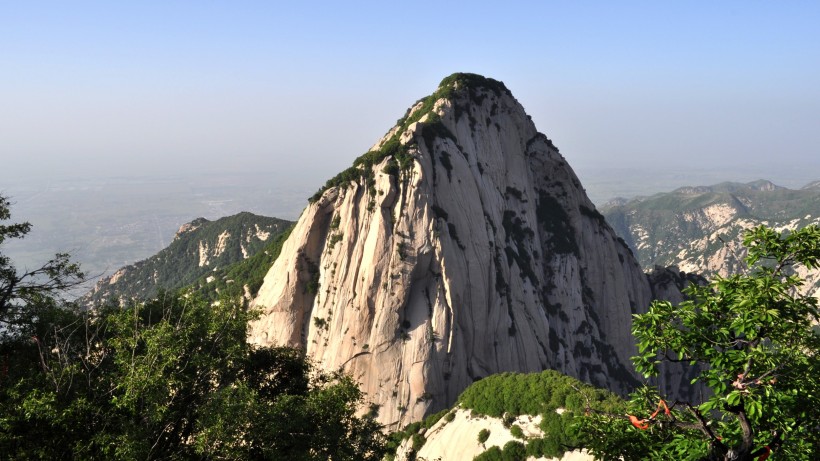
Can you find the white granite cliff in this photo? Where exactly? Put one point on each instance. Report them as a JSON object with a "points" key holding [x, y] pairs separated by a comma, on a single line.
{"points": [[462, 246]]}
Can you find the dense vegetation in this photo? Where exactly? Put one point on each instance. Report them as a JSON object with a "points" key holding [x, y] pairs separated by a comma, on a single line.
{"points": [[507, 395], [170, 378], [512, 451], [413, 431], [559, 399], [531, 394], [751, 341]]}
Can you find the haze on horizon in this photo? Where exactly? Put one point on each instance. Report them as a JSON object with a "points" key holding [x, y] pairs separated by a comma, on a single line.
{"points": [[94, 89]]}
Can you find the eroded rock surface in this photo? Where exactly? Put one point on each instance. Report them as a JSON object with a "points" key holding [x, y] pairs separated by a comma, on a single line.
{"points": [[460, 246]]}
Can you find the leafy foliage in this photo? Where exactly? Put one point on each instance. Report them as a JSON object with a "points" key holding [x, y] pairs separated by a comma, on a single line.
{"points": [[516, 431], [413, 431], [512, 451], [751, 337], [21, 291], [512, 394], [172, 378], [532, 394]]}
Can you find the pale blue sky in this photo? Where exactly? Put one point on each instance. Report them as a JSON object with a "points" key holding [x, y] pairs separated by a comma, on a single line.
{"points": [[99, 88]]}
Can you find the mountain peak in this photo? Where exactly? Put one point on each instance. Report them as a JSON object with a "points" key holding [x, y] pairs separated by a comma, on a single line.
{"points": [[190, 227], [763, 185], [199, 248], [460, 245], [456, 92], [462, 80]]}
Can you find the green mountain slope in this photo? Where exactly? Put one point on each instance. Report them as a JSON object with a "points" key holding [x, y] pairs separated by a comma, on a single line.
{"points": [[242, 278], [203, 251], [698, 228]]}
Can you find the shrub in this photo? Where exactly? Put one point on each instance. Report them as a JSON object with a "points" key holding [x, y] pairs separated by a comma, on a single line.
{"points": [[513, 451], [418, 441], [492, 454], [334, 239], [483, 435], [334, 224], [516, 431]]}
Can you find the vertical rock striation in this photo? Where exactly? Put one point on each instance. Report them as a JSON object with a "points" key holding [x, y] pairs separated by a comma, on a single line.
{"points": [[461, 245]]}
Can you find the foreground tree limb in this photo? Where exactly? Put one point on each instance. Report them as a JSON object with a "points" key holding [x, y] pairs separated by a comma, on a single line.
{"points": [[18, 290], [753, 342]]}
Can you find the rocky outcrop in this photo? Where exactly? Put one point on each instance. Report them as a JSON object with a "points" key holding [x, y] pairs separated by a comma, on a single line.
{"points": [[669, 282], [700, 229], [461, 245], [456, 438], [200, 248]]}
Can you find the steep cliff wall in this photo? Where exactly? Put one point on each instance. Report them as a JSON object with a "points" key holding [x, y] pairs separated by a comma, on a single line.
{"points": [[461, 245]]}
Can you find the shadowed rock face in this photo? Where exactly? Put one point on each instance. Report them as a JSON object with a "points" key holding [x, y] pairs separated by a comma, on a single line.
{"points": [[462, 245]]}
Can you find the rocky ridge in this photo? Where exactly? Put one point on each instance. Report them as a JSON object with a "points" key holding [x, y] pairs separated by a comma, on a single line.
{"points": [[199, 250], [700, 229], [461, 245]]}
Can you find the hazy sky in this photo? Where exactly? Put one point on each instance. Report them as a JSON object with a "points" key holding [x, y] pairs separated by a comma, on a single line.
{"points": [[100, 88]]}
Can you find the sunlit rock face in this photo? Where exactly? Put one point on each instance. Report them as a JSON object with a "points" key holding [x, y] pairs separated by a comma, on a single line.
{"points": [[460, 246], [701, 229]]}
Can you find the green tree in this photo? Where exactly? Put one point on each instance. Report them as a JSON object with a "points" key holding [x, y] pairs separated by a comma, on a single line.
{"points": [[512, 451], [751, 340], [22, 291], [173, 378]]}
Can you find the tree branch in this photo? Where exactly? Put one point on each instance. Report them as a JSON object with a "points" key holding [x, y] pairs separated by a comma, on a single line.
{"points": [[703, 426]]}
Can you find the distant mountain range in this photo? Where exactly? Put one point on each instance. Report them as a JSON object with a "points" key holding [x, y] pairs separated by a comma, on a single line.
{"points": [[699, 229], [210, 255]]}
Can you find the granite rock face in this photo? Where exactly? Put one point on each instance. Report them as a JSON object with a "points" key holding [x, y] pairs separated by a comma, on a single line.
{"points": [[456, 439], [460, 246]]}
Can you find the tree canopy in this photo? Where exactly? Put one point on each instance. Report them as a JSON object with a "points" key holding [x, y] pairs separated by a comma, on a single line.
{"points": [[752, 341]]}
